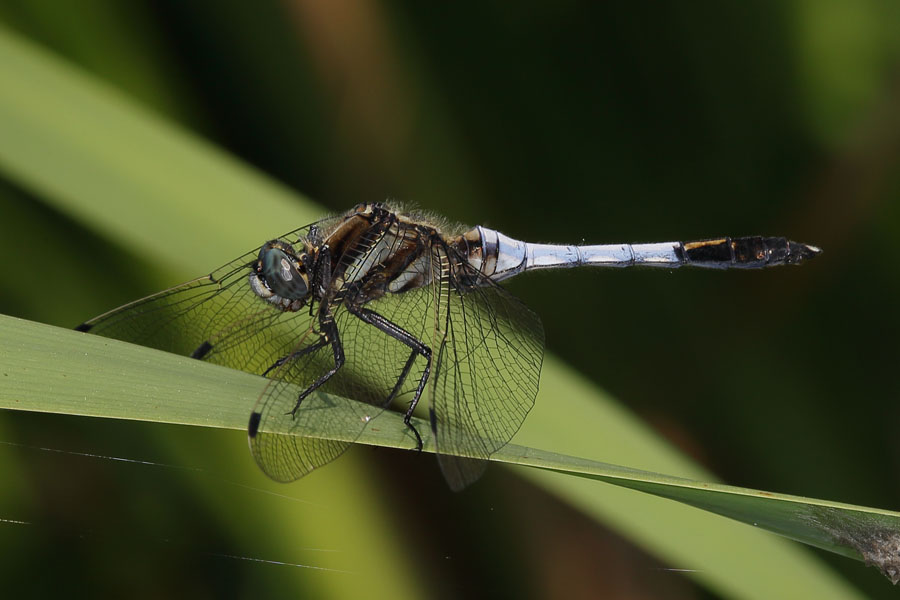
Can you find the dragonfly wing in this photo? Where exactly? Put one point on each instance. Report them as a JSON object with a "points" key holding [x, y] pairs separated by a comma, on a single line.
{"points": [[286, 443], [217, 318], [290, 438], [486, 373]]}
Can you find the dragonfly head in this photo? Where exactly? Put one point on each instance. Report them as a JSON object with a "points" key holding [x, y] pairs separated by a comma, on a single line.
{"points": [[280, 276]]}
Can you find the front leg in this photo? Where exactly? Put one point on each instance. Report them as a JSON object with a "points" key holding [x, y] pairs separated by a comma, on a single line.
{"points": [[321, 343], [329, 335]]}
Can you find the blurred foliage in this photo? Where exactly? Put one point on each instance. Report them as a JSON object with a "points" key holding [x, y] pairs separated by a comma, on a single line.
{"points": [[567, 121]]}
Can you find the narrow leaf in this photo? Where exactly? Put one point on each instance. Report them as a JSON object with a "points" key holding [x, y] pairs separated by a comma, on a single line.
{"points": [[48, 369]]}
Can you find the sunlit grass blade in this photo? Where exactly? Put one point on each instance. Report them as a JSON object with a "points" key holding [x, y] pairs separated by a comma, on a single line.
{"points": [[48, 369], [52, 370]]}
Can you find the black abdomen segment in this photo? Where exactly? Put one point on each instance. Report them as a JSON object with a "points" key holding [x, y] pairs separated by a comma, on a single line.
{"points": [[752, 252]]}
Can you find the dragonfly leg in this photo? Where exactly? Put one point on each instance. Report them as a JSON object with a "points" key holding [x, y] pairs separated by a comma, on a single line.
{"points": [[295, 355], [402, 379], [418, 349], [329, 335]]}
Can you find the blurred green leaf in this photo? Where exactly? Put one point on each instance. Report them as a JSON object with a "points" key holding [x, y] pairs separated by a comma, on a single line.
{"points": [[129, 175], [844, 51]]}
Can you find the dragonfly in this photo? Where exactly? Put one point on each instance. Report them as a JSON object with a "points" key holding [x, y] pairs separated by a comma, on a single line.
{"points": [[386, 307]]}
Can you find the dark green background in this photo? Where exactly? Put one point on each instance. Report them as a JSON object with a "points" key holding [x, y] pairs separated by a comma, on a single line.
{"points": [[566, 121]]}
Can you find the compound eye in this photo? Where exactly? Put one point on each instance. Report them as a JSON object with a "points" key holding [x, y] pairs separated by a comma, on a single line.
{"points": [[278, 271]]}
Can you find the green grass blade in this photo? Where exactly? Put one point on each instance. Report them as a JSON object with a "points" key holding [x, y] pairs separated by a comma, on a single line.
{"points": [[128, 174], [47, 369], [131, 175]]}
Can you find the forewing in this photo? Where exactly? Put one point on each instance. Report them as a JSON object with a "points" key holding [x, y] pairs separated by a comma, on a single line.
{"points": [[486, 373], [217, 318]]}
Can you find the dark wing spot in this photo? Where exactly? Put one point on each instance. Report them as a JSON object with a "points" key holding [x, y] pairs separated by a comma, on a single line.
{"points": [[253, 426], [202, 350], [432, 416]]}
